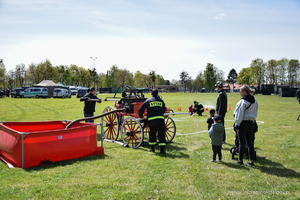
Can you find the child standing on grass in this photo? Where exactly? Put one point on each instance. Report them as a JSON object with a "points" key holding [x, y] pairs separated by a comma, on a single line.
{"points": [[216, 136], [210, 120]]}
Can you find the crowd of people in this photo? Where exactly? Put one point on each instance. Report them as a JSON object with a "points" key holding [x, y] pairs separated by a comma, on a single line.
{"points": [[245, 114]]}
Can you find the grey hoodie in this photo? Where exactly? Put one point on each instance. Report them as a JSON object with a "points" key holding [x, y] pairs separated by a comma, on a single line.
{"points": [[216, 134]]}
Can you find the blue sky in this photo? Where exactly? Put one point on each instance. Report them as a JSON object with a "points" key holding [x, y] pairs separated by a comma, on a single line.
{"points": [[166, 36]]}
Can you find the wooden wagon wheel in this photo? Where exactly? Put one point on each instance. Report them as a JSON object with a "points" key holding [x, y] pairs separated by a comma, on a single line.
{"points": [[170, 128], [132, 132], [146, 133], [110, 124]]}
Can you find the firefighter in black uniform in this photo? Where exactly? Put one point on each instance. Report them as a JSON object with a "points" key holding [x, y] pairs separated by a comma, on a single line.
{"points": [[198, 108], [155, 116]]}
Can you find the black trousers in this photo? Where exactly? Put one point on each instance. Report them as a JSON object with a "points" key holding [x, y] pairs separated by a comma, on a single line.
{"points": [[223, 122], [160, 129], [217, 150], [246, 134]]}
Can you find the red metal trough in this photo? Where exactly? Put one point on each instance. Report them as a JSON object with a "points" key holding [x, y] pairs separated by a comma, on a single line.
{"points": [[28, 144]]}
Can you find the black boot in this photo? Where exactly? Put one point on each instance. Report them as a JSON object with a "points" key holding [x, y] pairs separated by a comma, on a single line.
{"points": [[152, 149], [162, 150]]}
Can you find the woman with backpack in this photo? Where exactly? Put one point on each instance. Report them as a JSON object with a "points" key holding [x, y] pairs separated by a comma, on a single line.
{"points": [[245, 114]]}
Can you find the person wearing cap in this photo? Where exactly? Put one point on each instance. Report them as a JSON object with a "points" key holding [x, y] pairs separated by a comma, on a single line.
{"points": [[245, 114], [155, 115], [90, 103], [216, 137], [210, 120], [221, 106], [198, 108]]}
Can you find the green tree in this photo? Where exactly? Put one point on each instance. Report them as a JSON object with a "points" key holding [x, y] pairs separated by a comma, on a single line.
{"points": [[93, 75], [272, 71], [64, 74], [100, 80], [282, 70], [39, 73], [292, 69], [257, 71], [84, 77], [123, 76], [74, 74], [152, 77], [2, 74], [232, 77], [159, 80], [20, 70], [244, 76], [139, 79], [199, 81], [210, 76], [110, 77]]}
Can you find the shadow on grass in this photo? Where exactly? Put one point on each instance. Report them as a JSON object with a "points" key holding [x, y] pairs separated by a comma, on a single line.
{"points": [[274, 168], [50, 165], [235, 165], [173, 150]]}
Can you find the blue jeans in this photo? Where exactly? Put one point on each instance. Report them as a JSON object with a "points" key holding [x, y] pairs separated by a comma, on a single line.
{"points": [[89, 115]]}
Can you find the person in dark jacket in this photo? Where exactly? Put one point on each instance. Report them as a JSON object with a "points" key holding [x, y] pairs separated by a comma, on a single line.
{"points": [[216, 137], [210, 120], [155, 115], [221, 106], [90, 100], [198, 108]]}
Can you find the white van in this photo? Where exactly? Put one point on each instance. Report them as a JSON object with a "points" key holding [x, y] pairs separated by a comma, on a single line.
{"points": [[34, 92], [73, 90], [61, 92]]}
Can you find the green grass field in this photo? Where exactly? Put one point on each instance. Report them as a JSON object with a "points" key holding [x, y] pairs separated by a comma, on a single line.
{"points": [[184, 173]]}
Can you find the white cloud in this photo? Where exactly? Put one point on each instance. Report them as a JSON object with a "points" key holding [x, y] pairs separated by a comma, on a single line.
{"points": [[220, 16]]}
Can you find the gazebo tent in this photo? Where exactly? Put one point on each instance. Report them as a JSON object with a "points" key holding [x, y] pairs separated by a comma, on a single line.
{"points": [[50, 85], [62, 85]]}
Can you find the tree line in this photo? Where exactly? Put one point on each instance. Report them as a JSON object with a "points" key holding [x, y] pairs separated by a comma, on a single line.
{"points": [[284, 71], [74, 75]]}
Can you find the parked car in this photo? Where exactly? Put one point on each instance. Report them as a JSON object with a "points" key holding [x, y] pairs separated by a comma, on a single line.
{"points": [[73, 90], [16, 92], [2, 94], [81, 92], [34, 92], [61, 92]]}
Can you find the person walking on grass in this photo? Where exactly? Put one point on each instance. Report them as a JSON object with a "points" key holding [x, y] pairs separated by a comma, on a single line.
{"points": [[216, 137], [90, 100], [221, 106], [245, 114]]}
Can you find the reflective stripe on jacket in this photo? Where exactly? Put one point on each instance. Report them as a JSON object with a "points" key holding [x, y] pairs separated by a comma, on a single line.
{"points": [[155, 111]]}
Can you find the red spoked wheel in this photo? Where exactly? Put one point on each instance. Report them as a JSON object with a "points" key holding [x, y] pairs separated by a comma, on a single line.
{"points": [[170, 128], [110, 124], [132, 132]]}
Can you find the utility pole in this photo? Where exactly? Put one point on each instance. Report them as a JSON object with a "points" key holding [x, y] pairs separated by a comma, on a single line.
{"points": [[94, 70]]}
